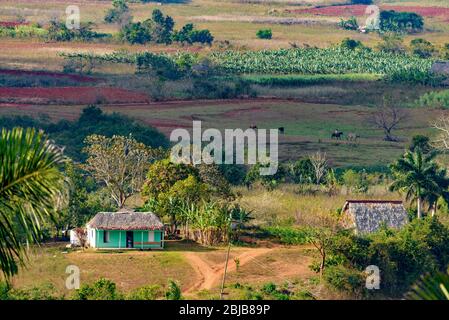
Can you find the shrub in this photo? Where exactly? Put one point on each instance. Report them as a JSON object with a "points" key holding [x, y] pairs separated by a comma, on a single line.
{"points": [[349, 24], [135, 33], [173, 292], [289, 235], [264, 34], [422, 48], [351, 44], [189, 35], [391, 43], [361, 1], [344, 279], [435, 99], [445, 52], [102, 289], [161, 66], [150, 292], [401, 22], [402, 255], [43, 292]]}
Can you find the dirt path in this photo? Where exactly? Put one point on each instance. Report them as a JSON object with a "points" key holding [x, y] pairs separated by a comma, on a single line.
{"points": [[210, 275]]}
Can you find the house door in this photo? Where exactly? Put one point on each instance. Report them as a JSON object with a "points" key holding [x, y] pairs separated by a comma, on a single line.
{"points": [[129, 239]]}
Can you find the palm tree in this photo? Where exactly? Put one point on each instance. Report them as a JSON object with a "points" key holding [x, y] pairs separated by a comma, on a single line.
{"points": [[431, 287], [31, 188], [417, 175]]}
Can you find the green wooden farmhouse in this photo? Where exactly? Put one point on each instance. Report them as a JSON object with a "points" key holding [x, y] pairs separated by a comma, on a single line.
{"points": [[125, 230]]}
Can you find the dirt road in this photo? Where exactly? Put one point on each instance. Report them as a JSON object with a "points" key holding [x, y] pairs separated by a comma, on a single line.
{"points": [[210, 274]]}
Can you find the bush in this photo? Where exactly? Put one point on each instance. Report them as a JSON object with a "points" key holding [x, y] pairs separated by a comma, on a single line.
{"points": [[289, 235], [435, 99], [189, 35], [264, 34], [102, 289], [150, 292], [402, 255], [161, 66], [422, 48], [344, 279], [350, 24], [392, 43], [173, 292], [401, 22], [361, 1], [351, 44], [43, 292]]}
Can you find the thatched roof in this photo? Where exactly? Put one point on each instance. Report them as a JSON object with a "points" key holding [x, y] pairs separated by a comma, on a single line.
{"points": [[126, 220], [367, 216]]}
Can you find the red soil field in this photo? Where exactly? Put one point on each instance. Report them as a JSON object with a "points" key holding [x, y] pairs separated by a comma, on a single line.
{"points": [[359, 10], [75, 77], [12, 24], [70, 95]]}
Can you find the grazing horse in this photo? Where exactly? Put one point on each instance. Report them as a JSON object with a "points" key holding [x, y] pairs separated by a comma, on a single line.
{"points": [[337, 135], [353, 137], [281, 130]]}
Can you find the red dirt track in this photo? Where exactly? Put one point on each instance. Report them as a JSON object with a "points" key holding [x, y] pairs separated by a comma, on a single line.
{"points": [[359, 10], [70, 95]]}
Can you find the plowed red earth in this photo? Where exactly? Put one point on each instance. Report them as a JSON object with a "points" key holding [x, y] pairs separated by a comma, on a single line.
{"points": [[12, 24], [70, 95], [75, 77], [359, 10]]}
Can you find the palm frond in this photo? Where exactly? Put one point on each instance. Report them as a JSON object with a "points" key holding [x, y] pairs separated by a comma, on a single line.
{"points": [[30, 186]]}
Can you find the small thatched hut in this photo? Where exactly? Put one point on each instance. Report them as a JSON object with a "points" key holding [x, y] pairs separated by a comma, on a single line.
{"points": [[125, 229], [367, 216]]}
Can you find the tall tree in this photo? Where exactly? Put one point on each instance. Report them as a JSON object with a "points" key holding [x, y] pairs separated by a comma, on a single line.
{"points": [[120, 163], [417, 175], [32, 188]]}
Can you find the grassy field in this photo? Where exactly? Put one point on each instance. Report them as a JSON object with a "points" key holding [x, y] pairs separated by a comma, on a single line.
{"points": [[197, 269], [308, 126], [231, 20]]}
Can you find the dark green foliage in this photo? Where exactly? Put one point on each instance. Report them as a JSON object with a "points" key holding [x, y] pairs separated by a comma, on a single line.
{"points": [[117, 13], [136, 33], [189, 35], [71, 135], [264, 34], [150, 292], [102, 289], [361, 1], [158, 65], [58, 31], [301, 171], [402, 256], [351, 44], [233, 173], [422, 142], [349, 24], [174, 291], [344, 279], [289, 235], [401, 22], [162, 27], [433, 286], [422, 48]]}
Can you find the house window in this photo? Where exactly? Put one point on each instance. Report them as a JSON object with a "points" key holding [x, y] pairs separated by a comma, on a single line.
{"points": [[105, 236], [150, 236]]}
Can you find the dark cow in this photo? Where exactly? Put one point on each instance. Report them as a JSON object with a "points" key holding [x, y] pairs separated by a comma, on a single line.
{"points": [[281, 130]]}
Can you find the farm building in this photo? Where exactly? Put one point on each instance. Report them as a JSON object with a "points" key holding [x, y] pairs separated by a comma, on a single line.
{"points": [[125, 229], [367, 216]]}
